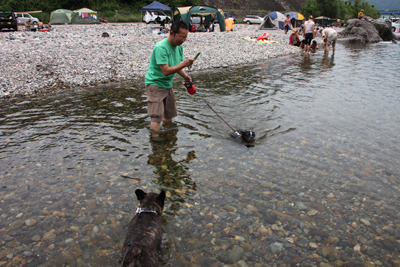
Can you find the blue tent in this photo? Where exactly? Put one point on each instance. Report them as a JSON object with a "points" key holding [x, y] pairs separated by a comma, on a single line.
{"points": [[156, 6], [277, 18]]}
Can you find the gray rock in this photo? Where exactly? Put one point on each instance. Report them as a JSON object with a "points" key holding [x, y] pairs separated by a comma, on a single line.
{"points": [[276, 247], [235, 254], [360, 31], [384, 31]]}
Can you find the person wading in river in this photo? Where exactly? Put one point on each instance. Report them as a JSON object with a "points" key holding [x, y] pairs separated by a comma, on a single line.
{"points": [[308, 33], [166, 60]]}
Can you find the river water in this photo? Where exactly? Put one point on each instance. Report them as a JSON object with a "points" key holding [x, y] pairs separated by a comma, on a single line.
{"points": [[319, 185]]}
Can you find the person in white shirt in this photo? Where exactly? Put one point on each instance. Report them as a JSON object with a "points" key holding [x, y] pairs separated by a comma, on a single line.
{"points": [[308, 33], [330, 38]]}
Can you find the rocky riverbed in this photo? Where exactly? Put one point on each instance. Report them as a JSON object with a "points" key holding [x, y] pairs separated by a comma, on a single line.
{"points": [[76, 55]]}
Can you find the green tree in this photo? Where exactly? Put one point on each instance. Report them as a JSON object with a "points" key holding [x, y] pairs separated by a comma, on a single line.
{"points": [[310, 8]]}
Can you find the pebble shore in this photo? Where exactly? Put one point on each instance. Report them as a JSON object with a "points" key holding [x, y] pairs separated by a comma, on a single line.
{"points": [[76, 55]]}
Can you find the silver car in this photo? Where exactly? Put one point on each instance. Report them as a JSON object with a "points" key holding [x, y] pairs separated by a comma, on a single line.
{"points": [[250, 19], [24, 17]]}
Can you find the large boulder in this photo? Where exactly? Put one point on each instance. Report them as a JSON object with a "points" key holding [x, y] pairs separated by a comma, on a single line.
{"points": [[385, 32], [360, 31]]}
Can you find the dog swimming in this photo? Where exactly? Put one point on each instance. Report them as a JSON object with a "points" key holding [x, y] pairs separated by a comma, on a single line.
{"points": [[244, 136]]}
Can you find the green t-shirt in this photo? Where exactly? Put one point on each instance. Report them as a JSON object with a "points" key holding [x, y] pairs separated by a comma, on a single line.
{"points": [[163, 53]]}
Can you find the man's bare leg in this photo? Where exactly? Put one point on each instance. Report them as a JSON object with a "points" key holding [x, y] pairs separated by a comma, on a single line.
{"points": [[155, 128]]}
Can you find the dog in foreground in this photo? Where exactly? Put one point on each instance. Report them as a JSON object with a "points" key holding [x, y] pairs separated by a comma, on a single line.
{"points": [[144, 231], [244, 136]]}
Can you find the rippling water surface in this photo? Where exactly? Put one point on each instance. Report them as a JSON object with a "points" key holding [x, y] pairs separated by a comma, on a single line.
{"points": [[321, 183]]}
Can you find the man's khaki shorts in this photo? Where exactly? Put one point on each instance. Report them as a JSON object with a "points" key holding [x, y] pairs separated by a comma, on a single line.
{"points": [[161, 103]]}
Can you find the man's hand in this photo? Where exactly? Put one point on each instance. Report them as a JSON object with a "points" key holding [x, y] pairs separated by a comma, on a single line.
{"points": [[188, 62], [188, 78]]}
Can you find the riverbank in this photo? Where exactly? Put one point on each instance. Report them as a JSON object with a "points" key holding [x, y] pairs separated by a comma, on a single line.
{"points": [[77, 56]]}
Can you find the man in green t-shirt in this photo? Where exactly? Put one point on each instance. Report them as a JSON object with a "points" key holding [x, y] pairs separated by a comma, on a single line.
{"points": [[166, 60]]}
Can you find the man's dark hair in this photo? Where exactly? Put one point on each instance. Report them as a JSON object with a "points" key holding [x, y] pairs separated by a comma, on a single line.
{"points": [[177, 25]]}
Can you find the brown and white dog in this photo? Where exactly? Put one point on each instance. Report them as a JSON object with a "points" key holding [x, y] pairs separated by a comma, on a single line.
{"points": [[144, 231]]}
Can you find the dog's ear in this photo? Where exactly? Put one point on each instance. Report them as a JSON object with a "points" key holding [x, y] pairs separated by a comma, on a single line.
{"points": [[140, 194], [161, 197]]}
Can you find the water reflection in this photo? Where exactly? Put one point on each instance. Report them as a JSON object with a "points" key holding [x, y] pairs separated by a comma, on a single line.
{"points": [[172, 175]]}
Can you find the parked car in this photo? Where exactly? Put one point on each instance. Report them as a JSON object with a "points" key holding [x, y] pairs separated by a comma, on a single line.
{"points": [[250, 19], [8, 20], [156, 17], [24, 17], [395, 24], [227, 15]]}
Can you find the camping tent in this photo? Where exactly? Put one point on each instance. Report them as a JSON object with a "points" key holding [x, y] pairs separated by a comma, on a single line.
{"points": [[155, 6], [60, 16], [277, 18], [184, 13], [84, 16]]}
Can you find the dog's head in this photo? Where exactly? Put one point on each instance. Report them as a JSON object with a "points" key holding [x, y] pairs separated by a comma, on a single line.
{"points": [[248, 136], [151, 201]]}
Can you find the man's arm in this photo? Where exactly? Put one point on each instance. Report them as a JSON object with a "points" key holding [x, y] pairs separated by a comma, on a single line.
{"points": [[185, 76], [167, 70]]}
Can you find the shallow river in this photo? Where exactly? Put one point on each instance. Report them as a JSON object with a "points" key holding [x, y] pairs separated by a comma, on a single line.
{"points": [[319, 186]]}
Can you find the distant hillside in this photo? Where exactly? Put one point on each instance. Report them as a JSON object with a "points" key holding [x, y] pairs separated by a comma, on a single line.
{"points": [[385, 4], [247, 7]]}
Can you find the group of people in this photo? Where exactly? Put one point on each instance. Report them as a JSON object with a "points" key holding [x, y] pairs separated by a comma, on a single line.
{"points": [[203, 27], [29, 26], [329, 36], [206, 27]]}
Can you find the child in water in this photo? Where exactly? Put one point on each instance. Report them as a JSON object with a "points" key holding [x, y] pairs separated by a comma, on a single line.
{"points": [[314, 46]]}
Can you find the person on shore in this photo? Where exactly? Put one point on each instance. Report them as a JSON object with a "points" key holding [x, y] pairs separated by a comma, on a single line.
{"points": [[40, 25], [287, 24], [361, 14], [301, 30], [166, 60], [294, 38], [201, 27], [28, 25], [293, 22], [48, 24], [314, 46], [308, 33], [330, 38], [164, 29]]}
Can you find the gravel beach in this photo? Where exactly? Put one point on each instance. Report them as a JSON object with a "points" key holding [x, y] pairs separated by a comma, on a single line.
{"points": [[76, 55]]}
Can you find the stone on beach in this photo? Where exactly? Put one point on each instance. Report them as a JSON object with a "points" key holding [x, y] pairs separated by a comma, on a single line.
{"points": [[76, 55]]}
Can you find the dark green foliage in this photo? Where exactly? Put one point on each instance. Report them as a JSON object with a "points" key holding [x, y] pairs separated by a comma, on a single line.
{"points": [[338, 9]]}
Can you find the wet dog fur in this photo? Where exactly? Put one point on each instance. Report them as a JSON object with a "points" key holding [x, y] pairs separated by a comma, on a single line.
{"points": [[148, 233], [244, 136]]}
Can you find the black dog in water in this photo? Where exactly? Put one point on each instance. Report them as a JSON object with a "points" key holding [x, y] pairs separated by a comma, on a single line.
{"points": [[244, 136], [144, 231]]}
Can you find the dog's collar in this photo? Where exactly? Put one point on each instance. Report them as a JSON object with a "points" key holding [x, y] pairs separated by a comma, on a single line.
{"points": [[140, 210], [237, 132]]}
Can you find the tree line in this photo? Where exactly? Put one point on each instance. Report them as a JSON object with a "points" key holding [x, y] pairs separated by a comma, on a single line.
{"points": [[338, 9], [104, 8]]}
